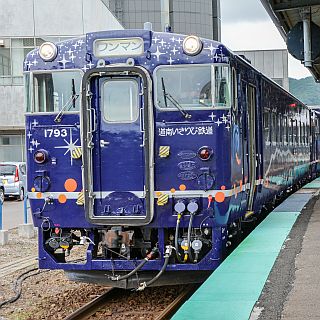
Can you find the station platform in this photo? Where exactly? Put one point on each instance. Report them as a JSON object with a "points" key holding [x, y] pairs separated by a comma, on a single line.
{"points": [[273, 274]]}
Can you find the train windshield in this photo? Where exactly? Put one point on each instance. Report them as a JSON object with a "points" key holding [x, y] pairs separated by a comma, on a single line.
{"points": [[193, 86], [53, 91]]}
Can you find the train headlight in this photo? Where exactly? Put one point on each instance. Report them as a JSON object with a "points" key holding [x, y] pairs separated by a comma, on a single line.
{"points": [[192, 45], [48, 51], [40, 156]]}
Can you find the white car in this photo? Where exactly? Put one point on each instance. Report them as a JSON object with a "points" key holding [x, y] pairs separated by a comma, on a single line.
{"points": [[13, 178]]}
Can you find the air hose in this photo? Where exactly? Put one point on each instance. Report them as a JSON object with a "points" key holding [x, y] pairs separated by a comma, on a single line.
{"points": [[154, 252], [176, 238], [17, 286], [167, 255], [189, 236]]}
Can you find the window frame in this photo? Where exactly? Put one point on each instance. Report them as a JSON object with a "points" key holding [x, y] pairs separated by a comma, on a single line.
{"points": [[200, 107], [31, 90], [102, 99], [234, 89]]}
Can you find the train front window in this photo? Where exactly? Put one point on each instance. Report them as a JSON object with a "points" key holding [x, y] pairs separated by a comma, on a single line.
{"points": [[193, 86], [56, 91]]}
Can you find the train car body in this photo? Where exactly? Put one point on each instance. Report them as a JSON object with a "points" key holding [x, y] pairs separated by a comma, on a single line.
{"points": [[151, 149]]}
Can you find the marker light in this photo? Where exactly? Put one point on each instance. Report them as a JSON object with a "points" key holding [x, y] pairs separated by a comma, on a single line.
{"points": [[205, 153], [40, 156], [48, 51], [192, 45]]}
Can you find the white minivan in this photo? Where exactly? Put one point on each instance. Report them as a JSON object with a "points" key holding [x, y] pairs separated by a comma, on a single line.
{"points": [[13, 178]]}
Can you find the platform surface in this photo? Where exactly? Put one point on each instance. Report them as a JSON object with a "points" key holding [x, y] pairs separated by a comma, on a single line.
{"points": [[234, 290]]}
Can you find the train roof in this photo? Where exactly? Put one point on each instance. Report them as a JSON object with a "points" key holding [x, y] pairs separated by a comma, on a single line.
{"points": [[243, 60], [160, 48]]}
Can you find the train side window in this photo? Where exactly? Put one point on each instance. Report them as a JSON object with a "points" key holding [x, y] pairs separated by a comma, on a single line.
{"points": [[234, 90], [307, 133], [222, 86], [290, 131], [273, 127], [27, 92], [295, 132], [280, 128], [285, 130], [120, 100], [266, 126]]}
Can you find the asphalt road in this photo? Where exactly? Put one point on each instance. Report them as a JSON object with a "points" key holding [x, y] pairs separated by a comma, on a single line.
{"points": [[13, 214]]}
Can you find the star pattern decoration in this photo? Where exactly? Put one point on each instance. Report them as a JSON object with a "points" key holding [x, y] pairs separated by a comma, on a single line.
{"points": [[31, 142], [165, 49], [69, 146], [71, 54], [158, 53]]}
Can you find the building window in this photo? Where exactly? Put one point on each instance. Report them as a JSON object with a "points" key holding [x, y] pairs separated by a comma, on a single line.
{"points": [[12, 147]]}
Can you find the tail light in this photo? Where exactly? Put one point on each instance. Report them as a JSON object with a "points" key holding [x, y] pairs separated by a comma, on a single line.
{"points": [[205, 153], [16, 175], [40, 156]]}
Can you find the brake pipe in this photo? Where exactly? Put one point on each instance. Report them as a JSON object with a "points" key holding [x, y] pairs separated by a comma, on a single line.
{"points": [[176, 237], [189, 236], [167, 255], [150, 256]]}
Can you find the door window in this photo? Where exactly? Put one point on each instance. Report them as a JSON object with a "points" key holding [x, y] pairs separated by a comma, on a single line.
{"points": [[120, 100]]}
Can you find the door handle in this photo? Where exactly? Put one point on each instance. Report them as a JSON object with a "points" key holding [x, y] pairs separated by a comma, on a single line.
{"points": [[104, 143]]}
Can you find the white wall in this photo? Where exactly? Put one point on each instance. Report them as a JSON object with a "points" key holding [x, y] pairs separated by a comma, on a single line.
{"points": [[28, 18], [272, 63], [41, 18], [11, 106]]}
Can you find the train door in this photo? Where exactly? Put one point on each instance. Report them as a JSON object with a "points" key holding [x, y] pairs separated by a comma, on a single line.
{"points": [[117, 163], [252, 149]]}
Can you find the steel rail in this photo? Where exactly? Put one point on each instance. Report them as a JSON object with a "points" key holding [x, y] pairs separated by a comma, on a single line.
{"points": [[173, 307], [96, 304]]}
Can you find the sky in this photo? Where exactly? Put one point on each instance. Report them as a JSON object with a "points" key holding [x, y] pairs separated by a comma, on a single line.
{"points": [[247, 26]]}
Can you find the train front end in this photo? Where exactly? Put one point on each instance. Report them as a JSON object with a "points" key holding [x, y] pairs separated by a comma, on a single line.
{"points": [[128, 140]]}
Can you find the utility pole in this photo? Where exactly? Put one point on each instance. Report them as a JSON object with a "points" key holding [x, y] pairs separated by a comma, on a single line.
{"points": [[216, 20], [166, 15]]}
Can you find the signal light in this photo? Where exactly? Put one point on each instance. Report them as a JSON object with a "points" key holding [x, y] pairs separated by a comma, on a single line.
{"points": [[205, 153], [40, 156]]}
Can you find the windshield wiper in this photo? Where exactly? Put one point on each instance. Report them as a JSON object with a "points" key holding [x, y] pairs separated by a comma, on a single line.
{"points": [[71, 101], [167, 96]]}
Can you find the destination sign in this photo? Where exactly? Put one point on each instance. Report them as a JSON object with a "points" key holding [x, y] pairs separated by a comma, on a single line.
{"points": [[127, 47]]}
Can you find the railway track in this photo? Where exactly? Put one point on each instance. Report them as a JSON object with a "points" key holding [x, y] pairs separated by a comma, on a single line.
{"points": [[16, 265], [96, 304], [171, 309], [100, 302]]}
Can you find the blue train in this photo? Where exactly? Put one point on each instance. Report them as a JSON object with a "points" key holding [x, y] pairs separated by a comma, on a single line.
{"points": [[150, 150]]}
